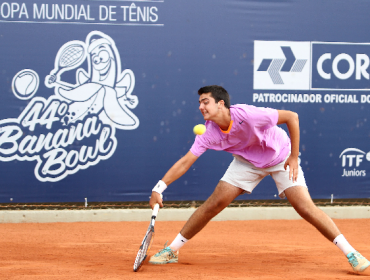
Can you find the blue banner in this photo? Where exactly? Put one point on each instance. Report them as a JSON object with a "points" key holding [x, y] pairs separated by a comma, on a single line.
{"points": [[99, 98]]}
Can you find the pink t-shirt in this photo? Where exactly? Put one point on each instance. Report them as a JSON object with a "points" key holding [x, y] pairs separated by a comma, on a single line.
{"points": [[253, 135]]}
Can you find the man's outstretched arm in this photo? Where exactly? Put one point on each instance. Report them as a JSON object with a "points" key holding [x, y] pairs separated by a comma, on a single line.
{"points": [[174, 173]]}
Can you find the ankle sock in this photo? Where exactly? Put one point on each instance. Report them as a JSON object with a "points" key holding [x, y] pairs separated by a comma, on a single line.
{"points": [[343, 244], [178, 242]]}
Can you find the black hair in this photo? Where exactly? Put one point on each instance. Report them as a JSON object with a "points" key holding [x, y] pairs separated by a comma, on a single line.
{"points": [[218, 93]]}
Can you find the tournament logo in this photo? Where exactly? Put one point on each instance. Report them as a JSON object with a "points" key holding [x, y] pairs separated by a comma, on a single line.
{"points": [[74, 128]]}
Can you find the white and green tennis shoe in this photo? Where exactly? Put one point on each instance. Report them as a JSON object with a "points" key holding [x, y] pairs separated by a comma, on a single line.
{"points": [[357, 261], [166, 255]]}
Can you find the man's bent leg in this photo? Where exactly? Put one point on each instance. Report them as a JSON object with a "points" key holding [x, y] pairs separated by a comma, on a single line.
{"points": [[222, 196], [301, 200]]}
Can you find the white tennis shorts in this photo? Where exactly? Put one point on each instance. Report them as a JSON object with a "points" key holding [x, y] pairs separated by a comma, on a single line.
{"points": [[242, 174]]}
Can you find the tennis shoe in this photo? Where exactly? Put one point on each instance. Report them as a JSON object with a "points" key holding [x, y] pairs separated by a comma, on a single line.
{"points": [[357, 261], [166, 255]]}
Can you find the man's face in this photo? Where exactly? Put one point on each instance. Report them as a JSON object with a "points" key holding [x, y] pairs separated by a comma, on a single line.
{"points": [[208, 106]]}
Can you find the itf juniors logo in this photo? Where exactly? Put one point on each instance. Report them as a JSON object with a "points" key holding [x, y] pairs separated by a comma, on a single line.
{"points": [[74, 128], [352, 158], [281, 65]]}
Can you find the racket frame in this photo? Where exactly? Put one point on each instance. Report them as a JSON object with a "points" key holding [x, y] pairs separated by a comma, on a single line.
{"points": [[145, 244]]}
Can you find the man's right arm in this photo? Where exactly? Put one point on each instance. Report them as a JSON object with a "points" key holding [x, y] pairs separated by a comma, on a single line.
{"points": [[174, 173]]}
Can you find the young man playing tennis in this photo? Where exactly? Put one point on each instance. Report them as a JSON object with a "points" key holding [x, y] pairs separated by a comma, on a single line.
{"points": [[260, 148]]}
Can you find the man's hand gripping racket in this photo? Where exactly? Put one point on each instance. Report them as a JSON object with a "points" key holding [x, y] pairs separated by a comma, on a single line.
{"points": [[147, 241]]}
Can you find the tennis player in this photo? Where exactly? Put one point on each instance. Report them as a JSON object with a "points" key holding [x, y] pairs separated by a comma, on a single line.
{"points": [[260, 148]]}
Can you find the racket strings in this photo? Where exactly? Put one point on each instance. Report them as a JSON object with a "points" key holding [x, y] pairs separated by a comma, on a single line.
{"points": [[71, 56], [148, 242], [144, 248]]}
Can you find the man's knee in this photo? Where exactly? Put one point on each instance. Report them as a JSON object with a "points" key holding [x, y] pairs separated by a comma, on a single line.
{"points": [[301, 201], [215, 204], [222, 196], [307, 211]]}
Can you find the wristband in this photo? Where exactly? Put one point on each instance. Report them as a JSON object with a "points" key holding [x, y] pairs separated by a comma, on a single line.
{"points": [[160, 187]]}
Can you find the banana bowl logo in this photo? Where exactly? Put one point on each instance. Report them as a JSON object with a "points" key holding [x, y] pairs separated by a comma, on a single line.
{"points": [[74, 128]]}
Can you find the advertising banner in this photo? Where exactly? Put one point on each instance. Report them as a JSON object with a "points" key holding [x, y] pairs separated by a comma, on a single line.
{"points": [[99, 98]]}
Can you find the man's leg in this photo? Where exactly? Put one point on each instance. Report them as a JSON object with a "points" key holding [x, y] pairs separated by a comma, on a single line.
{"points": [[301, 201], [222, 196]]}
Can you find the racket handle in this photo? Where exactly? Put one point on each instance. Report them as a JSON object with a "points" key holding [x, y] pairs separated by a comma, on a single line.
{"points": [[155, 210]]}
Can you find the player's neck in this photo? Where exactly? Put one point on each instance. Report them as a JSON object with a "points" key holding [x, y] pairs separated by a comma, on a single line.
{"points": [[223, 119]]}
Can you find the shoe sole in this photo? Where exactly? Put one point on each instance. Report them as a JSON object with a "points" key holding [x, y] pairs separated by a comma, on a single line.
{"points": [[174, 261], [363, 268]]}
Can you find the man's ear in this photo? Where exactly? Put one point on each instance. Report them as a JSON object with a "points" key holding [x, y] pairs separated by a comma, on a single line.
{"points": [[221, 104]]}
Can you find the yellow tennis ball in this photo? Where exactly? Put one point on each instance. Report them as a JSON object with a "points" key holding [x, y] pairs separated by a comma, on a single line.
{"points": [[199, 129]]}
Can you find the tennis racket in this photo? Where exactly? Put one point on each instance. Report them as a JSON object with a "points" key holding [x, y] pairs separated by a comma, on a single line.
{"points": [[70, 55], [147, 241]]}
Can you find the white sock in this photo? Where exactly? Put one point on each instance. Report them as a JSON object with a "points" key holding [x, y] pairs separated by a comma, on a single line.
{"points": [[178, 242], [343, 244]]}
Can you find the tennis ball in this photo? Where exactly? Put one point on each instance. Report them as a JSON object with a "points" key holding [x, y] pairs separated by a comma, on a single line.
{"points": [[199, 129]]}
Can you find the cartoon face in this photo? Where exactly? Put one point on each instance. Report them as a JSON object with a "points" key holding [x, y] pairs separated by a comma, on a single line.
{"points": [[102, 59]]}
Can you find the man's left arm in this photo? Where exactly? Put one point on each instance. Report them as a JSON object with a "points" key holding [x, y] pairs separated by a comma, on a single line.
{"points": [[292, 121]]}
